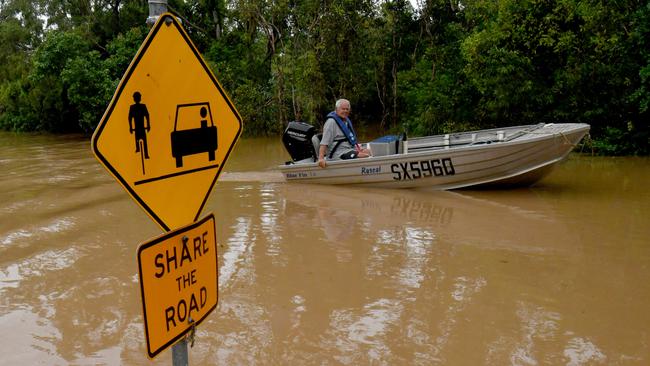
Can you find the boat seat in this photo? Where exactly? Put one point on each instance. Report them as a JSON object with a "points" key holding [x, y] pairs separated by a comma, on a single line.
{"points": [[315, 141]]}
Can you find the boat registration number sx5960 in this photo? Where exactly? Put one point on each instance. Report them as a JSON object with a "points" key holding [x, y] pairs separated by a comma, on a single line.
{"points": [[422, 169]]}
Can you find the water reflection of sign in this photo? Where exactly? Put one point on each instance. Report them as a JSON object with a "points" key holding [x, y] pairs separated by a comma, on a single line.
{"points": [[158, 136], [178, 282]]}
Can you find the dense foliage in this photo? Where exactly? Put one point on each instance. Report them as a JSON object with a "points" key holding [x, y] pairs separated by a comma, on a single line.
{"points": [[444, 66]]}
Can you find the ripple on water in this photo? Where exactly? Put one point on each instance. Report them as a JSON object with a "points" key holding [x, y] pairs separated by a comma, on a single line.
{"points": [[31, 340], [15, 206], [56, 226], [60, 178], [237, 247], [37, 265], [581, 351], [15, 236]]}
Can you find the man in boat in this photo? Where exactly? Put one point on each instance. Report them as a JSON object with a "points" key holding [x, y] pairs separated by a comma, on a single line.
{"points": [[339, 139]]}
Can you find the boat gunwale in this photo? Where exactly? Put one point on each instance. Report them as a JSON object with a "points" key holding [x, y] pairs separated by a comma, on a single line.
{"points": [[469, 148], [452, 185]]}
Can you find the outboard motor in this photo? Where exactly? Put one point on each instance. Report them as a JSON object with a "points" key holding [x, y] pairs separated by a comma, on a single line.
{"points": [[297, 139]]}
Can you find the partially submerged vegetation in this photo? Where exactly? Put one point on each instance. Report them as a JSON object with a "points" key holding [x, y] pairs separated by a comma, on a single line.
{"points": [[446, 66]]}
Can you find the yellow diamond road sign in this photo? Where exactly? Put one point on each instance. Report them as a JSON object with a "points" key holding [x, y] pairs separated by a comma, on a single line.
{"points": [[169, 127]]}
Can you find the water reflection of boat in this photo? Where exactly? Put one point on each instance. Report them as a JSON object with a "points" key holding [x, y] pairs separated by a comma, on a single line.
{"points": [[518, 155], [515, 219], [431, 260]]}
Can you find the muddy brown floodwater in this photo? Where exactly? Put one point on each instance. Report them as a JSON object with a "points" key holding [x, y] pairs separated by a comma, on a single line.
{"points": [[556, 274]]}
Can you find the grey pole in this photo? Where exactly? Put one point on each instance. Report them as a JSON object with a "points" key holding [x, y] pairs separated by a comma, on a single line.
{"points": [[179, 350], [179, 354], [156, 8]]}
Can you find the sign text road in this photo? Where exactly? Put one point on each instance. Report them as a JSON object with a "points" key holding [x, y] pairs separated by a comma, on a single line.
{"points": [[178, 281]]}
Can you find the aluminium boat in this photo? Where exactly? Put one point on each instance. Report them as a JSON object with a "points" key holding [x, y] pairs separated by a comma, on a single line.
{"points": [[519, 155]]}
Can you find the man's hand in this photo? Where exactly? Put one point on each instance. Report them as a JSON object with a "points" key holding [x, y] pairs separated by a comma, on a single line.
{"points": [[322, 150]]}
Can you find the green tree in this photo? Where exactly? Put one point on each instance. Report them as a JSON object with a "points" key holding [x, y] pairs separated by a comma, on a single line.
{"points": [[448, 65], [122, 49], [49, 92], [299, 62], [20, 30], [565, 61], [640, 40], [240, 62], [436, 95], [89, 87]]}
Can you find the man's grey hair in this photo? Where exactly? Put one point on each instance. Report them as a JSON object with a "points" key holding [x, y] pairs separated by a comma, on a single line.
{"points": [[341, 101]]}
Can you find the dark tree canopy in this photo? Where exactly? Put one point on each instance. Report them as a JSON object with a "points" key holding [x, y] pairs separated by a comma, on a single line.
{"points": [[444, 66]]}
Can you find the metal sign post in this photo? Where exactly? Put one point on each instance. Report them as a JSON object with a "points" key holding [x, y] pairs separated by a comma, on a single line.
{"points": [[179, 350], [156, 8]]}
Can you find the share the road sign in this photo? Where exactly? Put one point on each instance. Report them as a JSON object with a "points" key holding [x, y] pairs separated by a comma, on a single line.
{"points": [[178, 282], [169, 128]]}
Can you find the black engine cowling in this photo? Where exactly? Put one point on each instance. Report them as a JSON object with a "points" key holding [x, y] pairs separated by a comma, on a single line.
{"points": [[297, 139]]}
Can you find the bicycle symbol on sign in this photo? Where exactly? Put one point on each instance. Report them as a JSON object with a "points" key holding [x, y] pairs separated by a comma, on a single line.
{"points": [[139, 124]]}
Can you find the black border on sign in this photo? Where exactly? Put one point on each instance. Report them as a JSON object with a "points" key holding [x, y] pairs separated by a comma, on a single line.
{"points": [[127, 75], [155, 241]]}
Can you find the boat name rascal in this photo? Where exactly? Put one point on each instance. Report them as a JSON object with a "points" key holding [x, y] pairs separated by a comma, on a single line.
{"points": [[422, 169]]}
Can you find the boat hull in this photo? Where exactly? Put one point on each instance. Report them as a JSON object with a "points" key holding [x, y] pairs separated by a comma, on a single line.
{"points": [[523, 155]]}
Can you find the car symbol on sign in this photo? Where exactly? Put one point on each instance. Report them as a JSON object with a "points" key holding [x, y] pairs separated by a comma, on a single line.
{"points": [[194, 140]]}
